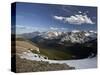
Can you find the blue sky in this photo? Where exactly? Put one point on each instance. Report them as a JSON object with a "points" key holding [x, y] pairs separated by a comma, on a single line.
{"points": [[32, 17]]}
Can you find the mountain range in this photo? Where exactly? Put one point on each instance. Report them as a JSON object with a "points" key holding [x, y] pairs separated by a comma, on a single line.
{"points": [[73, 37]]}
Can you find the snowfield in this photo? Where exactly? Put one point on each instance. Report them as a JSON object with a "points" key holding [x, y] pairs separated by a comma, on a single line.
{"points": [[78, 64], [82, 63]]}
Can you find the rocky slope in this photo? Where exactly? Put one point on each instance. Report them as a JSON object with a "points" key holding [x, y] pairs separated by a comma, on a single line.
{"points": [[23, 65]]}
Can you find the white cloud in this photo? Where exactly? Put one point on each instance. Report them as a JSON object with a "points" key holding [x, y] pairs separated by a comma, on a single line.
{"points": [[75, 31], [25, 27], [20, 26], [53, 28], [63, 28], [59, 17], [75, 19]]}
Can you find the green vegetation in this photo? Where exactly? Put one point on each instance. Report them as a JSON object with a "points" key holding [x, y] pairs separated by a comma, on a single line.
{"points": [[55, 54]]}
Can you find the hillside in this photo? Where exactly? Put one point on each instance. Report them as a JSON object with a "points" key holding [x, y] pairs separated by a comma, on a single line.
{"points": [[28, 58], [23, 65], [22, 46]]}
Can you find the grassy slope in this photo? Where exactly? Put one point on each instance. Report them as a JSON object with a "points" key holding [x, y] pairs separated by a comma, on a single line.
{"points": [[55, 54]]}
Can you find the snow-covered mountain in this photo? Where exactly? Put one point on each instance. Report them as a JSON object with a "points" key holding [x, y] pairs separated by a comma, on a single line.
{"points": [[79, 37], [51, 35], [73, 36]]}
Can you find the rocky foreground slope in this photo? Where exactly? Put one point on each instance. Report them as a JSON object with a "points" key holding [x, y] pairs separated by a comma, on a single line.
{"points": [[25, 64]]}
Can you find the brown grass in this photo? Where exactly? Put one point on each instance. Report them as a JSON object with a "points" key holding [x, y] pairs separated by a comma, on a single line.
{"points": [[23, 46], [23, 65]]}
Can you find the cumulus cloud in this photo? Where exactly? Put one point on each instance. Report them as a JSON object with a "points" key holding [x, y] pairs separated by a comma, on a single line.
{"points": [[75, 19]]}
